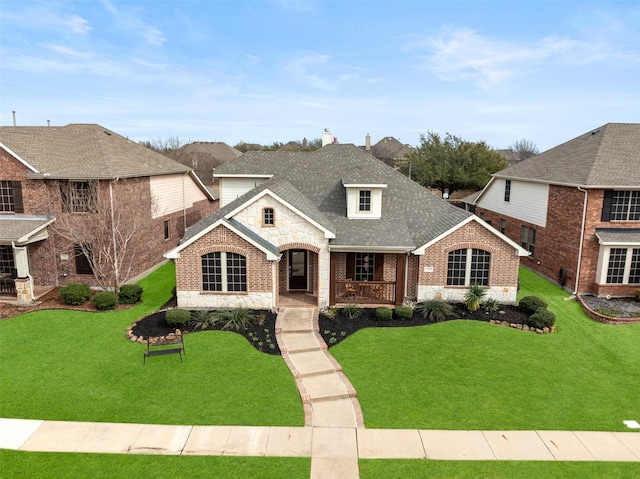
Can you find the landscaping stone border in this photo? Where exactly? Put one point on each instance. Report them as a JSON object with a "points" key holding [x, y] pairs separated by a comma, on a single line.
{"points": [[602, 318], [524, 327]]}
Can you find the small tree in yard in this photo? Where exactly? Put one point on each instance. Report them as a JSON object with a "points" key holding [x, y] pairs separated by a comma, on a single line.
{"points": [[523, 149], [109, 222]]}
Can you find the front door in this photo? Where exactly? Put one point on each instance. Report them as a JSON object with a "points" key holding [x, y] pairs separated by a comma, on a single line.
{"points": [[297, 269]]}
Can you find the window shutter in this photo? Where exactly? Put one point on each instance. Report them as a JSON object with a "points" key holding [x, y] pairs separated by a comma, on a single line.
{"points": [[378, 274], [18, 206], [606, 205], [351, 265]]}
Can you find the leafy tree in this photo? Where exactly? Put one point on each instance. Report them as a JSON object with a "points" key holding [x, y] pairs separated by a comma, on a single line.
{"points": [[524, 149], [453, 164]]}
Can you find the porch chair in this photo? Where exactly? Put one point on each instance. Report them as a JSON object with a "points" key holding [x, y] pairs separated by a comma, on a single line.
{"points": [[351, 289]]}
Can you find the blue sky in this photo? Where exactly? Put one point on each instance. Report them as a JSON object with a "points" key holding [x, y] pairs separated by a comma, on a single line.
{"points": [[265, 71]]}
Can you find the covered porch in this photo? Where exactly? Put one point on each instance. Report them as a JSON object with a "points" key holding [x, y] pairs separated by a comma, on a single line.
{"points": [[368, 278]]}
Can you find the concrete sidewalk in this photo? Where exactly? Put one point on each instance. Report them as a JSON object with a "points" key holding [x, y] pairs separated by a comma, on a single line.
{"points": [[318, 442], [333, 437]]}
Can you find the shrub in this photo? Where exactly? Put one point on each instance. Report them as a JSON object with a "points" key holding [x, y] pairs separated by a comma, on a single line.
{"points": [[435, 310], [235, 319], [75, 293], [352, 311], [384, 314], [330, 313], [491, 305], [542, 318], [129, 293], [473, 296], [530, 304], [403, 312], [637, 294], [202, 319], [105, 300], [177, 317]]}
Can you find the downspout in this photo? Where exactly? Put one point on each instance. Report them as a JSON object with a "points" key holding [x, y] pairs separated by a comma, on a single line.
{"points": [[113, 236], [584, 220]]}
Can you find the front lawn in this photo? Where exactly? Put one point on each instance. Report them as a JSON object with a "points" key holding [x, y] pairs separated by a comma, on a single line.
{"points": [[78, 366], [474, 375]]}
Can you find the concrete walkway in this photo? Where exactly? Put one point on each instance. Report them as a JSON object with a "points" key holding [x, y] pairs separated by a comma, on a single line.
{"points": [[333, 437]]}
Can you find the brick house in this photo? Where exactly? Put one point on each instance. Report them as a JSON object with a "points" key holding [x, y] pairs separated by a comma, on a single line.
{"points": [[40, 165], [335, 225], [576, 209]]}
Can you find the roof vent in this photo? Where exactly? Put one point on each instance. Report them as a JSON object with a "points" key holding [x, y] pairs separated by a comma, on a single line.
{"points": [[595, 131]]}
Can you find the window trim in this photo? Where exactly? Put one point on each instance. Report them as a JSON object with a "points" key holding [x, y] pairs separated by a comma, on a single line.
{"points": [[468, 254], [268, 217], [364, 201], [528, 238], [507, 191], [226, 272], [167, 230], [503, 225], [630, 269], [11, 197]]}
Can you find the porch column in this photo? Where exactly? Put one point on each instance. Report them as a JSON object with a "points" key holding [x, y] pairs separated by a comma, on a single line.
{"points": [[332, 279], [400, 275]]}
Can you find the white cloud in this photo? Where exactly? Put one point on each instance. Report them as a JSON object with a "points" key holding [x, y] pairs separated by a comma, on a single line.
{"points": [[128, 19], [301, 69], [463, 54]]}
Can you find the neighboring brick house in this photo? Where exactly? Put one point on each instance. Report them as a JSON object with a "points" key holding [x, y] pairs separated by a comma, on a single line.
{"points": [[339, 226], [39, 165], [576, 208]]}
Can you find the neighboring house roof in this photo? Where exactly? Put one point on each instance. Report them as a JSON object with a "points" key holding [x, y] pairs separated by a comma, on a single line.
{"points": [[389, 149], [217, 150], [508, 154], [618, 236], [83, 151], [21, 229], [312, 183], [606, 157]]}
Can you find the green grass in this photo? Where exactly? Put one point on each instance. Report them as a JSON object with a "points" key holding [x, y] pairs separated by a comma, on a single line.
{"points": [[473, 375], [78, 366], [383, 469], [43, 465]]}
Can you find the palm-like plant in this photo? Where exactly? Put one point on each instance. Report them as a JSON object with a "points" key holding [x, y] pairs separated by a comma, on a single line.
{"points": [[435, 310], [473, 297]]}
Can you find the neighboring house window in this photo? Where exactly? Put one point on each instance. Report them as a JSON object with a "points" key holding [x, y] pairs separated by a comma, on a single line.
{"points": [[365, 200], [78, 197], [507, 190], [166, 229], [222, 271], [6, 259], [528, 239], [83, 265], [468, 266], [624, 266], [503, 226], [268, 217], [11, 197], [621, 206]]}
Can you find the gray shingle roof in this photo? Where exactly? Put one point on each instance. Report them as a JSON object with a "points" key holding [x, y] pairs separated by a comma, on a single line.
{"points": [[216, 149], [618, 235], [606, 157], [85, 151], [411, 215], [19, 227]]}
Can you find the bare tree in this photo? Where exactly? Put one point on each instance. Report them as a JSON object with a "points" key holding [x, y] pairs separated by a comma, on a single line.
{"points": [[108, 222], [524, 149]]}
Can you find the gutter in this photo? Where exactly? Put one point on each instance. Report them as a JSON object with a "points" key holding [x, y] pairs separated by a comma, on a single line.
{"points": [[584, 220]]}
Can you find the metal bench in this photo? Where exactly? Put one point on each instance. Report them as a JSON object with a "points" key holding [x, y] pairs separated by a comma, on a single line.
{"points": [[159, 347]]}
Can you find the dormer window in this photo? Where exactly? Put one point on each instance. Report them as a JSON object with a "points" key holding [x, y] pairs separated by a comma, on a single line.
{"points": [[365, 200], [268, 217]]}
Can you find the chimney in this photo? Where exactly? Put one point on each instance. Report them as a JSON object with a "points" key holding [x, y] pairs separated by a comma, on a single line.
{"points": [[14, 117], [48, 122], [304, 143], [327, 139], [367, 142]]}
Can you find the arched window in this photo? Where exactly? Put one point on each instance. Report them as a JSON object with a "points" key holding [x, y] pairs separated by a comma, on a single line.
{"points": [[222, 271], [468, 266]]}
